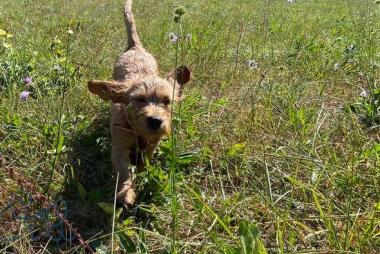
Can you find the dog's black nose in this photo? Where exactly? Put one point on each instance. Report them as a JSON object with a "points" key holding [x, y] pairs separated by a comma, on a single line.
{"points": [[154, 122]]}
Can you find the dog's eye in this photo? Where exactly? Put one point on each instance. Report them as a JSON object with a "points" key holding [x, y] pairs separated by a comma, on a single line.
{"points": [[141, 99], [166, 101]]}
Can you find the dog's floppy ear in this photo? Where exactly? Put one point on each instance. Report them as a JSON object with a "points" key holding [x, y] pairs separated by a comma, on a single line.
{"points": [[109, 90], [181, 75]]}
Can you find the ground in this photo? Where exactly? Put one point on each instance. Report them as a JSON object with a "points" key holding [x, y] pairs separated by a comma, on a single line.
{"points": [[276, 146]]}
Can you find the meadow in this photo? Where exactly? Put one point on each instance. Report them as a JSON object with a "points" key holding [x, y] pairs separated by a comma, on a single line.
{"points": [[276, 146]]}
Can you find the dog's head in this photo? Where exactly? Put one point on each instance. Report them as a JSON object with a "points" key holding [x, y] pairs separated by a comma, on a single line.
{"points": [[147, 101]]}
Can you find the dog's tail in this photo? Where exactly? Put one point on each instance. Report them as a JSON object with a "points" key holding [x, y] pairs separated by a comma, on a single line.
{"points": [[133, 38]]}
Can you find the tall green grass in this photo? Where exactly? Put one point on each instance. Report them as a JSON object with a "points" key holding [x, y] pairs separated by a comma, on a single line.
{"points": [[275, 147]]}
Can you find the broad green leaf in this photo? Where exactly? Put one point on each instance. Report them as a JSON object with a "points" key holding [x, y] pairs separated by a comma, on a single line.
{"points": [[82, 191], [251, 242], [106, 207], [187, 158], [61, 142], [126, 242]]}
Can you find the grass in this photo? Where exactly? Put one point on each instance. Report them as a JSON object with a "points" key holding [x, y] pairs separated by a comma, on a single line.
{"points": [[282, 157]]}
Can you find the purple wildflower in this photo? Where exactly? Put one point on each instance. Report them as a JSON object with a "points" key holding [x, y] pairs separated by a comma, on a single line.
{"points": [[173, 37], [28, 81], [24, 95]]}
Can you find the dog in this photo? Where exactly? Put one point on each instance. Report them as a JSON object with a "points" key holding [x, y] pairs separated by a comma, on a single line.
{"points": [[141, 106]]}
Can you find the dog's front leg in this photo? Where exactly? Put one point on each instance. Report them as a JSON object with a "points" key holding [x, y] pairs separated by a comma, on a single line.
{"points": [[120, 160]]}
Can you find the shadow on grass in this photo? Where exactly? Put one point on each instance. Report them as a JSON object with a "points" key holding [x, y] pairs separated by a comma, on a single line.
{"points": [[91, 180]]}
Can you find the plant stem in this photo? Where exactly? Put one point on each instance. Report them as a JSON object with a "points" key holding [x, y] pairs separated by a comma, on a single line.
{"points": [[173, 165], [60, 118]]}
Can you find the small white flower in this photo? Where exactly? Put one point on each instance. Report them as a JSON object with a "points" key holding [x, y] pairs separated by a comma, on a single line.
{"points": [[70, 31], [314, 175], [350, 48], [336, 66], [57, 67], [290, 1], [7, 45], [252, 64], [173, 37], [364, 93]]}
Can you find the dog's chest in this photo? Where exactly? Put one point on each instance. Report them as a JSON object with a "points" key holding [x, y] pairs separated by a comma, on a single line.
{"points": [[136, 153]]}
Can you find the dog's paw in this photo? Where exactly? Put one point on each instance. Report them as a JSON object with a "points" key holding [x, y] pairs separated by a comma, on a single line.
{"points": [[130, 197], [126, 195]]}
